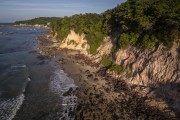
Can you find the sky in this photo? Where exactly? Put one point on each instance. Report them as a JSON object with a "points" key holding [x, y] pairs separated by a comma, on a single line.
{"points": [[14, 10]]}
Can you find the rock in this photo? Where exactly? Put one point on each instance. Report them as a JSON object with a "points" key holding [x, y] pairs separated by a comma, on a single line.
{"points": [[42, 62], [96, 79], [90, 75], [87, 71], [41, 57], [69, 92]]}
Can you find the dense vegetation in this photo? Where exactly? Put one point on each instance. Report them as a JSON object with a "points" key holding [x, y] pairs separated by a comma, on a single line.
{"points": [[89, 24], [143, 23], [140, 23], [39, 21]]}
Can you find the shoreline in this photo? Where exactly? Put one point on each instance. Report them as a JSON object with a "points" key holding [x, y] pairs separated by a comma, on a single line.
{"points": [[100, 97]]}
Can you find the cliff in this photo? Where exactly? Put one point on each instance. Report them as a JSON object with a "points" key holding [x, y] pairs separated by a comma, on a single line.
{"points": [[154, 72], [76, 42], [149, 66], [140, 66]]}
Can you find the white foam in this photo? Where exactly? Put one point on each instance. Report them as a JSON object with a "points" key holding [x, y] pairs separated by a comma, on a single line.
{"points": [[29, 79], [60, 84], [18, 66], [69, 104], [62, 71], [9, 107]]}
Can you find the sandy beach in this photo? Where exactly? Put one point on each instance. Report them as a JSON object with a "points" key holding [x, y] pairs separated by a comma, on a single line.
{"points": [[100, 96]]}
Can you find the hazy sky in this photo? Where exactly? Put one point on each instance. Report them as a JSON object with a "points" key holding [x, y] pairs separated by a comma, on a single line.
{"points": [[12, 10]]}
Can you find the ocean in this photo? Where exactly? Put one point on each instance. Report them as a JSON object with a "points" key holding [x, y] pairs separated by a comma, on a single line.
{"points": [[30, 88]]}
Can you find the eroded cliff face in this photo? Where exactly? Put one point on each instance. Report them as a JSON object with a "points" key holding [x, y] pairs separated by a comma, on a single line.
{"points": [[143, 67], [75, 41], [149, 66], [153, 72]]}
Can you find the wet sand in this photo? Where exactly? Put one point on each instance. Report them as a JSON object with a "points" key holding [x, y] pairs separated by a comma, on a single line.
{"points": [[100, 96]]}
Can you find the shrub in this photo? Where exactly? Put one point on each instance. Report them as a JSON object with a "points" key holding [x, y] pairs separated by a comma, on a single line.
{"points": [[106, 61], [127, 39], [117, 68], [147, 41]]}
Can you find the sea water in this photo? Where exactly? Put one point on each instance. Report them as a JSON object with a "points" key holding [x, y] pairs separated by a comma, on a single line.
{"points": [[29, 88]]}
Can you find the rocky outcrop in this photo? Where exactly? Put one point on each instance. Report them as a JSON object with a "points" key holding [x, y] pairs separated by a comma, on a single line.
{"points": [[76, 42], [149, 66]]}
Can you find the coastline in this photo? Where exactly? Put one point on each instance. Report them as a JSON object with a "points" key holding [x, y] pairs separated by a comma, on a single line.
{"points": [[25, 85], [35, 26], [99, 96]]}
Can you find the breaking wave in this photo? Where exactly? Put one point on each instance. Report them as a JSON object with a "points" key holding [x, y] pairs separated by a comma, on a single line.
{"points": [[60, 84], [9, 107]]}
